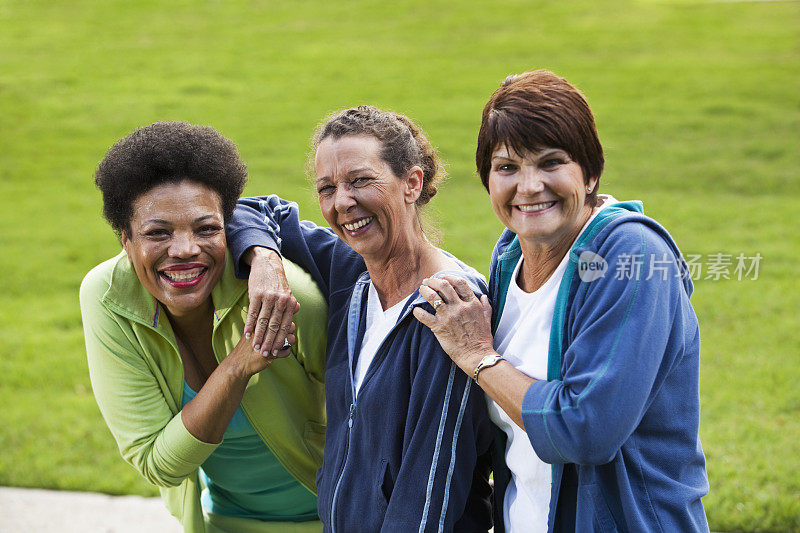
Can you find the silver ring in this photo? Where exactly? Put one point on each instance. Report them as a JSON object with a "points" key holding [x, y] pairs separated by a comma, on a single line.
{"points": [[436, 304], [286, 345]]}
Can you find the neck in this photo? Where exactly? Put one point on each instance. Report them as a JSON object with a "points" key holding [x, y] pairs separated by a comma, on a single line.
{"points": [[401, 273], [541, 258], [193, 324]]}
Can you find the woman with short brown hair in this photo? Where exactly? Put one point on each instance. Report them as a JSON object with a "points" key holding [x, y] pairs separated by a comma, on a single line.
{"points": [[589, 363]]}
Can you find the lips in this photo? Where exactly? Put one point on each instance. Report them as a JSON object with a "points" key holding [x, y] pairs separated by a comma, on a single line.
{"points": [[355, 226], [183, 275], [534, 208]]}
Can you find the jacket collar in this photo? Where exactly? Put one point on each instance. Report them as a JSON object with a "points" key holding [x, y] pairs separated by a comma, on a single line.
{"points": [[128, 297], [475, 280], [509, 251]]}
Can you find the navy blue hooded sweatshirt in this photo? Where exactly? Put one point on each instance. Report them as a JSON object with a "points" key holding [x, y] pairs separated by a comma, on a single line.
{"points": [[412, 451]]}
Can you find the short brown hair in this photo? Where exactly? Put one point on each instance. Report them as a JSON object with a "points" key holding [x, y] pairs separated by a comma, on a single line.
{"points": [[403, 143], [536, 110]]}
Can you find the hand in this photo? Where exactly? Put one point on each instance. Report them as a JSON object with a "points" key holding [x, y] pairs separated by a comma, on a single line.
{"points": [[462, 323], [245, 362], [210, 412], [272, 305]]}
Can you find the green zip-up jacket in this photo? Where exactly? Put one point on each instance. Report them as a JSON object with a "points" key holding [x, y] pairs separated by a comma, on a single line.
{"points": [[137, 379]]}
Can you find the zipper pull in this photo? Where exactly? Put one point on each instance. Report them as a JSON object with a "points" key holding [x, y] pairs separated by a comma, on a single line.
{"points": [[350, 416]]}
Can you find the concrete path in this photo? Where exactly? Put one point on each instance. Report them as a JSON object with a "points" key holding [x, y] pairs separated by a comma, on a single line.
{"points": [[35, 511]]}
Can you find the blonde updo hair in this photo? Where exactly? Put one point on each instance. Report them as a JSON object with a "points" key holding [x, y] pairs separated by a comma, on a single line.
{"points": [[403, 143]]}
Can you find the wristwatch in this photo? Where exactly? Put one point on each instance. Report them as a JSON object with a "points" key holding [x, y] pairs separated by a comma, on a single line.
{"points": [[486, 362]]}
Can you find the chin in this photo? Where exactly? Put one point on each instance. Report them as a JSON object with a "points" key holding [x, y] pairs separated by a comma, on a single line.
{"points": [[182, 307], [179, 304]]}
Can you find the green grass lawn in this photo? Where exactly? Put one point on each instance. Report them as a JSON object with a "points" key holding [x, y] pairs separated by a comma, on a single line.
{"points": [[697, 107]]}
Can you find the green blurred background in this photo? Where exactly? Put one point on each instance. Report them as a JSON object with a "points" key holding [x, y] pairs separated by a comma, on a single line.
{"points": [[697, 105]]}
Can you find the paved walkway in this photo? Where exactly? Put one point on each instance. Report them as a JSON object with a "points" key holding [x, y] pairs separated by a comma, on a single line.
{"points": [[35, 511]]}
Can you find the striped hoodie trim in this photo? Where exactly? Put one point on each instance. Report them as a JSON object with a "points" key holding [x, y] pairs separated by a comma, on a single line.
{"points": [[439, 435]]}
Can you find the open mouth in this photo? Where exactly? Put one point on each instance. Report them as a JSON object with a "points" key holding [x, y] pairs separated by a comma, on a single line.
{"points": [[535, 208], [183, 277], [355, 227]]}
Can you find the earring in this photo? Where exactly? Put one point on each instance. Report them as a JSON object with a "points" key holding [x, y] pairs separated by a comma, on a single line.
{"points": [[588, 189]]}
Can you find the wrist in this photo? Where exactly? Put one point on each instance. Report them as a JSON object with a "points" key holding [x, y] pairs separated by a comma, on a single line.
{"points": [[471, 361], [486, 362], [257, 253], [235, 370]]}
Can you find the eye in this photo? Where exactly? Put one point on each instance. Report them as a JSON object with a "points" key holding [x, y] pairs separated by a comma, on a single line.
{"points": [[361, 181], [326, 190], [505, 167], [209, 229], [552, 162], [156, 234]]}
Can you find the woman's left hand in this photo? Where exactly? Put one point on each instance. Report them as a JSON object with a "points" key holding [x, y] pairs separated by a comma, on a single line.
{"points": [[462, 323], [272, 304]]}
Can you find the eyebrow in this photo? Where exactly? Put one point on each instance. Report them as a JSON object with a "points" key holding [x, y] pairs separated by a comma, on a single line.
{"points": [[542, 153], [166, 222], [359, 170], [349, 173]]}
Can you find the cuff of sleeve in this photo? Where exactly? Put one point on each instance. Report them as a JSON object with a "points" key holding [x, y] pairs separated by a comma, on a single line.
{"points": [[244, 239], [535, 416], [179, 451]]}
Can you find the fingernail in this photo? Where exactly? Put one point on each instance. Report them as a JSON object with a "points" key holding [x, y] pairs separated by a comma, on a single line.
{"points": [[274, 353], [257, 347], [264, 354], [248, 335]]}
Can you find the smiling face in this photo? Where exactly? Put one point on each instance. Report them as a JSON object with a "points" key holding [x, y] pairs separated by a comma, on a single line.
{"points": [[177, 244], [540, 195], [363, 201]]}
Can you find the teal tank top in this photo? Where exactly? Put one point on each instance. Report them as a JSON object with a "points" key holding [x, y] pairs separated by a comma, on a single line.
{"points": [[243, 478]]}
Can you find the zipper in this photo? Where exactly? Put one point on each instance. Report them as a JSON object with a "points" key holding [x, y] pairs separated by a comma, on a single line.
{"points": [[355, 315], [344, 466], [353, 319]]}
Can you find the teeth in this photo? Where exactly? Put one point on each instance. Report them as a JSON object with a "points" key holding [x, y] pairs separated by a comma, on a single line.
{"points": [[183, 275], [356, 225], [535, 207]]}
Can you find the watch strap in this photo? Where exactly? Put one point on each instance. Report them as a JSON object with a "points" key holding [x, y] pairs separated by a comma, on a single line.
{"points": [[486, 362]]}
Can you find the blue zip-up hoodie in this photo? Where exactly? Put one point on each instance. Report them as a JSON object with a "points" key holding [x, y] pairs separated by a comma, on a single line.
{"points": [[619, 414], [412, 451]]}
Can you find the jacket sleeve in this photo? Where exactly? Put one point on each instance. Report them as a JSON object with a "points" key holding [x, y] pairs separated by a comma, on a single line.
{"points": [[443, 480], [150, 437], [621, 336], [274, 223]]}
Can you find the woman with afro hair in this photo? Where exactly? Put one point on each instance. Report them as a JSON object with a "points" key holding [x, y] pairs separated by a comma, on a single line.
{"points": [[192, 405]]}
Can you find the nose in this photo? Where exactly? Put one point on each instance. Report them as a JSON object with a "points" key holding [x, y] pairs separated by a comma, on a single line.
{"points": [[183, 245], [344, 199], [530, 181]]}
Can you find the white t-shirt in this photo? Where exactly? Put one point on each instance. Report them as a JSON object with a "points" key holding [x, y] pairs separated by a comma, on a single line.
{"points": [[523, 339], [379, 324]]}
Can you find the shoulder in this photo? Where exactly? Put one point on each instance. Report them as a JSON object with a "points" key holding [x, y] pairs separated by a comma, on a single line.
{"points": [[312, 302], [637, 254], [634, 233], [502, 244], [475, 279], [301, 282], [97, 281]]}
